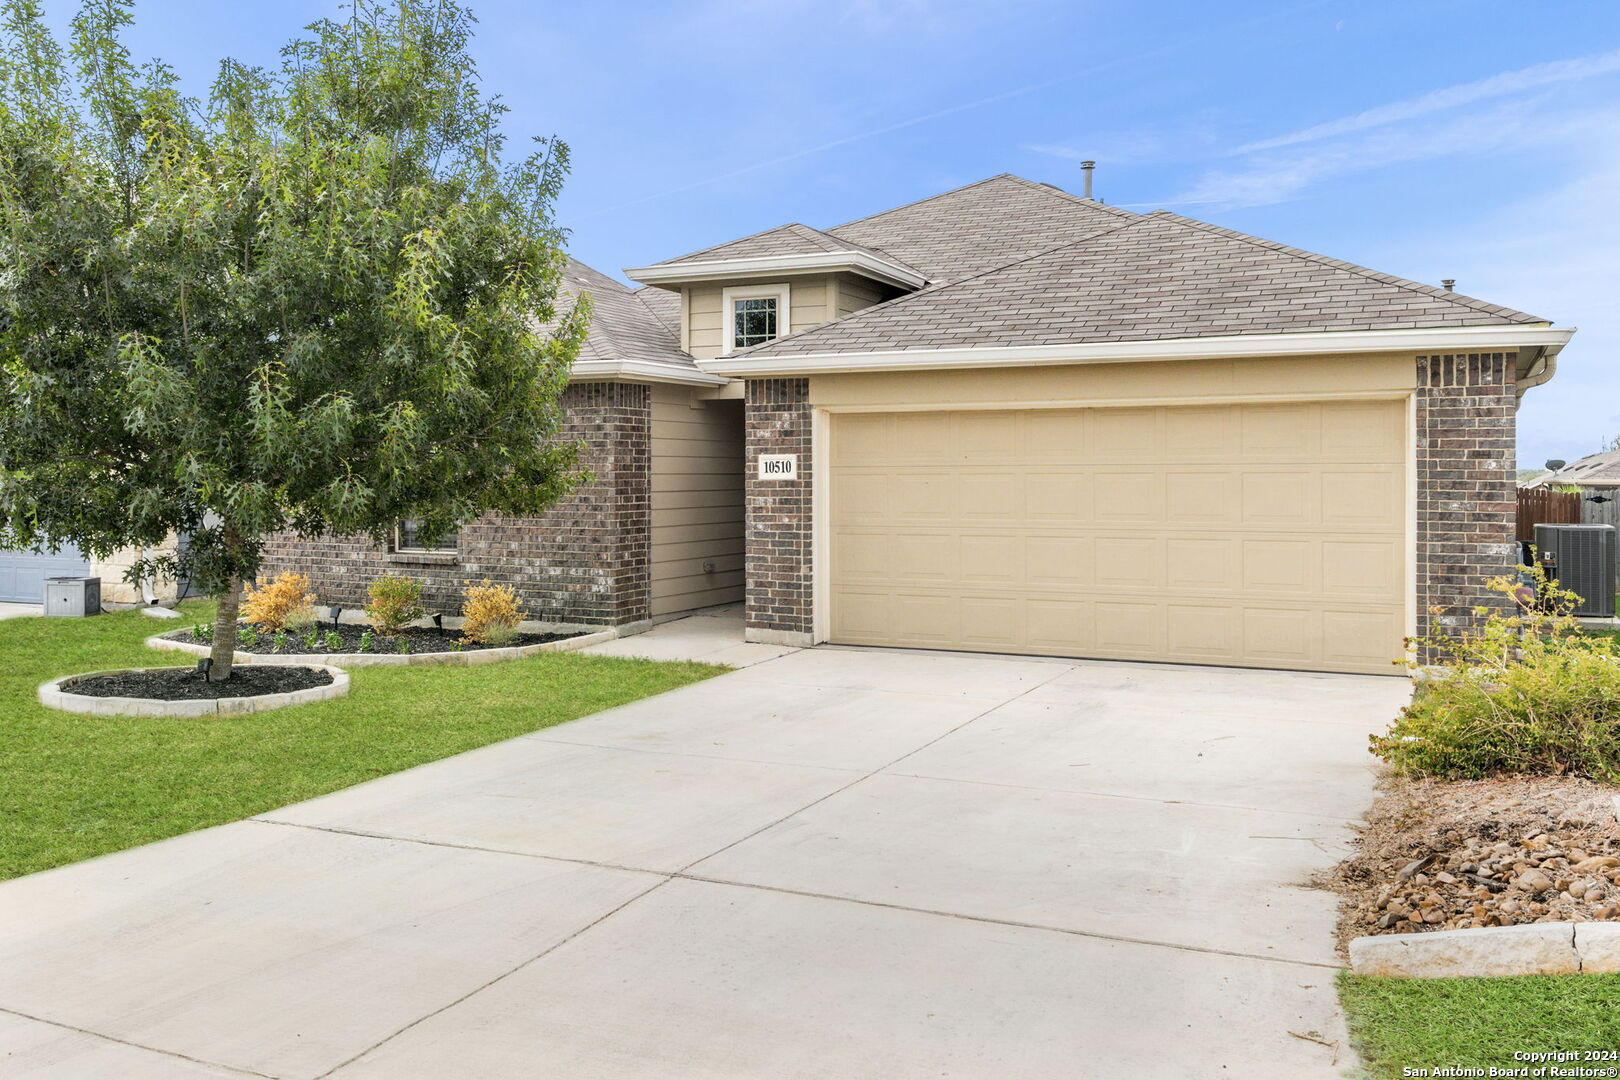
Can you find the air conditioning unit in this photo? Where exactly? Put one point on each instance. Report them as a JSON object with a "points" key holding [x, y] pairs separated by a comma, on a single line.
{"points": [[1582, 559]]}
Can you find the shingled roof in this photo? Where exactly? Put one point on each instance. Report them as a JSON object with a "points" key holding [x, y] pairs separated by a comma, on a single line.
{"points": [[1129, 277], [624, 325], [976, 228], [794, 239]]}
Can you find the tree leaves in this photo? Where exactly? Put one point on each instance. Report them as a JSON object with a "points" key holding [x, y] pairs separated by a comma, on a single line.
{"points": [[311, 302]]}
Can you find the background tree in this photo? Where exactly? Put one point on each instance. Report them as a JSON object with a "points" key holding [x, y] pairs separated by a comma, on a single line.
{"points": [[318, 301]]}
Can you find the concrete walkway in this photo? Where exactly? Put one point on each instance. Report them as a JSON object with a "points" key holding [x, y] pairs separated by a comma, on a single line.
{"points": [[17, 611], [830, 864]]}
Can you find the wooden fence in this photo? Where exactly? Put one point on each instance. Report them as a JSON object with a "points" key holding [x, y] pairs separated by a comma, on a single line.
{"points": [[1543, 506]]}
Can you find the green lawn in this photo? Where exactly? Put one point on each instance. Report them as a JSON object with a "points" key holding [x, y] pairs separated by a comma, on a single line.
{"points": [[73, 786], [1424, 1023]]}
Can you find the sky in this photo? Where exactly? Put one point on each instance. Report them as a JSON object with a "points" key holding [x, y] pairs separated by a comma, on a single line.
{"points": [[1469, 139]]}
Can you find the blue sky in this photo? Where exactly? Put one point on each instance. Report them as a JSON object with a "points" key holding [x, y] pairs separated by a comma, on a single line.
{"points": [[1471, 139]]}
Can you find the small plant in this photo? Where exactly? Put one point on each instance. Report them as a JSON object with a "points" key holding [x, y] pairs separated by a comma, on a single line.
{"points": [[401, 645], [276, 605], [394, 602], [456, 645], [1526, 692], [278, 641], [247, 636], [334, 641], [490, 614], [203, 633], [312, 640], [365, 641]]}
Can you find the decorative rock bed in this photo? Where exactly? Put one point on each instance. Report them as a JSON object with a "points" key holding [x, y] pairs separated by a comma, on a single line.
{"points": [[465, 657], [59, 694]]}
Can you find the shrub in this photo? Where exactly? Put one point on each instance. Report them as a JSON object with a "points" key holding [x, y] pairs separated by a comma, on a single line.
{"points": [[1526, 693], [491, 614], [285, 603], [394, 602]]}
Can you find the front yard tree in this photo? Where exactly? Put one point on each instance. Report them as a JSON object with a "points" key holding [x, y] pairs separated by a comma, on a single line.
{"points": [[320, 301]]}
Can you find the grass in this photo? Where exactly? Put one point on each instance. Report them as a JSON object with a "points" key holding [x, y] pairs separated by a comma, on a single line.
{"points": [[1477, 1023], [74, 786]]}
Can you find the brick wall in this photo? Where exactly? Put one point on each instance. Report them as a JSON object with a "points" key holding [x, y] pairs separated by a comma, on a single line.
{"points": [[1465, 485], [585, 560], [778, 564]]}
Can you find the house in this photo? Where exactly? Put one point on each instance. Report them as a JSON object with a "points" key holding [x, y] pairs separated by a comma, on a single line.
{"points": [[1600, 470], [1009, 419]]}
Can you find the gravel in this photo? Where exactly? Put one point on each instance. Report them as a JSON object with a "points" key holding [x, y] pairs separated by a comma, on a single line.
{"points": [[1445, 856]]}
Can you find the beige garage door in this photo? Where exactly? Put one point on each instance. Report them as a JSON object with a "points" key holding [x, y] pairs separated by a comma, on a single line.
{"points": [[1258, 535]]}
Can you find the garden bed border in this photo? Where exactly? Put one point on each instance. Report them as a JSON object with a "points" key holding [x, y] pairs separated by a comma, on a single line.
{"points": [[53, 696], [1554, 948], [465, 658]]}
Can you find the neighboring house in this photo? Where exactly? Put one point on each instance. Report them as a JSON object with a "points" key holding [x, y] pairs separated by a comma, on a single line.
{"points": [[1601, 470], [23, 574], [1595, 477], [1008, 419]]}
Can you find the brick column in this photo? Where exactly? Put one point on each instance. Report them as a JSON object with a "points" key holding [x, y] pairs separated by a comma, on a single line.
{"points": [[779, 568], [1466, 488]]}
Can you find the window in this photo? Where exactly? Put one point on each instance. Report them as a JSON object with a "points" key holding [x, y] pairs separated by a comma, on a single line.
{"points": [[755, 314], [753, 321], [408, 537]]}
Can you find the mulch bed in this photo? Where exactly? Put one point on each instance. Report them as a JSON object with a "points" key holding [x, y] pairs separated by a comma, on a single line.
{"points": [[417, 640], [186, 684], [1437, 855]]}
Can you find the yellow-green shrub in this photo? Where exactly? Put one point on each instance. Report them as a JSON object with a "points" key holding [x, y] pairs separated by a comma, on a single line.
{"points": [[392, 602], [283, 604], [491, 614], [1525, 693]]}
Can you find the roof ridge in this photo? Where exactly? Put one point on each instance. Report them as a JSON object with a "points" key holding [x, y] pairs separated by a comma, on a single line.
{"points": [[673, 331], [925, 199], [1462, 300], [1069, 196], [934, 290]]}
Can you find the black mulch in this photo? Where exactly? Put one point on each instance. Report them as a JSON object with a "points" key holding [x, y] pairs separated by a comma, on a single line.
{"points": [[185, 684], [417, 639]]}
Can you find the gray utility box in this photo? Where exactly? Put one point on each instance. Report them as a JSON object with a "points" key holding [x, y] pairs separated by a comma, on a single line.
{"points": [[1582, 558], [73, 596]]}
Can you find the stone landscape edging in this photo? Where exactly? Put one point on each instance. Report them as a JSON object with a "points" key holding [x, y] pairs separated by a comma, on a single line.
{"points": [[53, 696], [1555, 948], [464, 658]]}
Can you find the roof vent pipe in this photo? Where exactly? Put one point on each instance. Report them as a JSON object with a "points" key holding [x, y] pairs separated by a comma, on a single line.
{"points": [[1086, 167], [1449, 284]]}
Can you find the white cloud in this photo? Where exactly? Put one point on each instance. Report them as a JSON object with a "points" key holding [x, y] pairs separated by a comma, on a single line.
{"points": [[1275, 176], [1505, 84]]}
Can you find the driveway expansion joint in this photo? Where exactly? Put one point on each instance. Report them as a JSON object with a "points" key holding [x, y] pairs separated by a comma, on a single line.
{"points": [[138, 1046]]}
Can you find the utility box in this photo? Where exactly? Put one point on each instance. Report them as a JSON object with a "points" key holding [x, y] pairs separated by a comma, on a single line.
{"points": [[1582, 559], [73, 596]]}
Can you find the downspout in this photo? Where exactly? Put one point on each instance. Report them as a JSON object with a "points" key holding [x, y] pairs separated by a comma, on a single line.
{"points": [[1540, 372]]}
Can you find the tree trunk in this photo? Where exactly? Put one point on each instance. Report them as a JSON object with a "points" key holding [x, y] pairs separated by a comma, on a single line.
{"points": [[230, 602]]}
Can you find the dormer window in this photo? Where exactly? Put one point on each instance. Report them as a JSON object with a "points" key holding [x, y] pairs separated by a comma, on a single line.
{"points": [[754, 315]]}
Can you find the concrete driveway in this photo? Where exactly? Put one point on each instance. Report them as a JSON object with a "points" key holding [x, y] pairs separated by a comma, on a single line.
{"points": [[829, 864]]}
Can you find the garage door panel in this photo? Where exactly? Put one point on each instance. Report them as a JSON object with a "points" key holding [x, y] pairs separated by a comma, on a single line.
{"points": [[1280, 497], [1061, 496], [1059, 560], [1209, 632], [991, 559], [1261, 535], [1364, 498], [1207, 497], [1126, 434], [1127, 496]]}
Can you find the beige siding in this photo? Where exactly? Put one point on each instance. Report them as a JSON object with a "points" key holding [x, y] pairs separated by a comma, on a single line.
{"points": [[855, 292], [808, 305], [697, 501]]}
